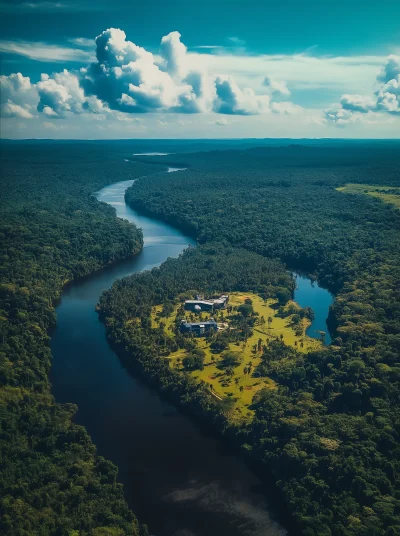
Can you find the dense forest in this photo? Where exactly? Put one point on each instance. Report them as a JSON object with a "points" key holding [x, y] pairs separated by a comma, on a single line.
{"points": [[330, 432], [210, 269], [52, 231]]}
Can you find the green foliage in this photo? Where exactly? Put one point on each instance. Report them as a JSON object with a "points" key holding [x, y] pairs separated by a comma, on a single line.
{"points": [[331, 430], [209, 269], [230, 359], [195, 360], [246, 309], [52, 231]]}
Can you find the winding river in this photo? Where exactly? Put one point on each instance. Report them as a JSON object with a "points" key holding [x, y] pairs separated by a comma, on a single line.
{"points": [[177, 479]]}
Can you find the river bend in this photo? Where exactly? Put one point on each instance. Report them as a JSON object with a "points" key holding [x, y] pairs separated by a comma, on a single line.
{"points": [[177, 479]]}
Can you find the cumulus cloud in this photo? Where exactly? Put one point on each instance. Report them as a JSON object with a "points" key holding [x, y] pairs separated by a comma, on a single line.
{"points": [[230, 99], [389, 96], [14, 85], [391, 69], [276, 86], [127, 78], [17, 96], [386, 98], [10, 109], [357, 103], [340, 116], [61, 94], [174, 53]]}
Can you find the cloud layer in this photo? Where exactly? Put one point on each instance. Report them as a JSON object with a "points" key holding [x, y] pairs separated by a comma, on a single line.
{"points": [[385, 99], [128, 78], [121, 80]]}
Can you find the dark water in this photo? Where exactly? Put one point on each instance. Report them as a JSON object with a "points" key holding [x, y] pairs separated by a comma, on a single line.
{"points": [[309, 294], [178, 480]]}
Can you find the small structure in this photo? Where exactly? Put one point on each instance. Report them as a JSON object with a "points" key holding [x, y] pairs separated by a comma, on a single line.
{"points": [[198, 328], [221, 302], [199, 304]]}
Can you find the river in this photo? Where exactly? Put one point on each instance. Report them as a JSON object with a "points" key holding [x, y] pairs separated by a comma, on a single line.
{"points": [[309, 294], [177, 478]]}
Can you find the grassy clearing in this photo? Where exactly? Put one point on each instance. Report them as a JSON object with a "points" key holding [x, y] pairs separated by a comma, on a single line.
{"points": [[387, 194], [241, 386]]}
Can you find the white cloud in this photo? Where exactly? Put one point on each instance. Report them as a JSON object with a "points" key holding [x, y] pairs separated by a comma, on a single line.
{"points": [[386, 98], [82, 42], [390, 70], [174, 53], [126, 80], [235, 101], [209, 47], [287, 108], [10, 109], [14, 85], [276, 86], [17, 96], [298, 70], [357, 103], [341, 117], [60, 94], [40, 51]]}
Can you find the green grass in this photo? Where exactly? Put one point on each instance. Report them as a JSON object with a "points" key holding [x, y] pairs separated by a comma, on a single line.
{"points": [[379, 192], [223, 385]]}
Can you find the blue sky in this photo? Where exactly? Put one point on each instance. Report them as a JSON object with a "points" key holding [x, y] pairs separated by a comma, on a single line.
{"points": [[237, 69]]}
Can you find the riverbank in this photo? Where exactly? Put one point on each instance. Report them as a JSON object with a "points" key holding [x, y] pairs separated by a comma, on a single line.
{"points": [[167, 464], [145, 350], [53, 231], [93, 378]]}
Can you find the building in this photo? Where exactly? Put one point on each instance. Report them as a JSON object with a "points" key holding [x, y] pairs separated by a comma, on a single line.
{"points": [[199, 305], [221, 302], [198, 328]]}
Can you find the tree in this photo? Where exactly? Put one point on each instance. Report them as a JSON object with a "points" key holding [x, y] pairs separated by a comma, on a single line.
{"points": [[246, 309], [230, 359], [283, 295], [193, 362]]}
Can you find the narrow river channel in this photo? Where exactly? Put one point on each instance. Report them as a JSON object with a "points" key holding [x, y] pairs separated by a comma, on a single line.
{"points": [[177, 479]]}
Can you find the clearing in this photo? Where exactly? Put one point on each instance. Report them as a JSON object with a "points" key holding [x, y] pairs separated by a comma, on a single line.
{"points": [[242, 386], [387, 194]]}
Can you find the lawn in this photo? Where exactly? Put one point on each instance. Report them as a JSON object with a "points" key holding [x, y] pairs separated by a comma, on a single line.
{"points": [[387, 194], [223, 385]]}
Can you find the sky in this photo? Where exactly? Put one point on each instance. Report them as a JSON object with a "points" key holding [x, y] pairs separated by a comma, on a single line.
{"points": [[84, 69]]}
